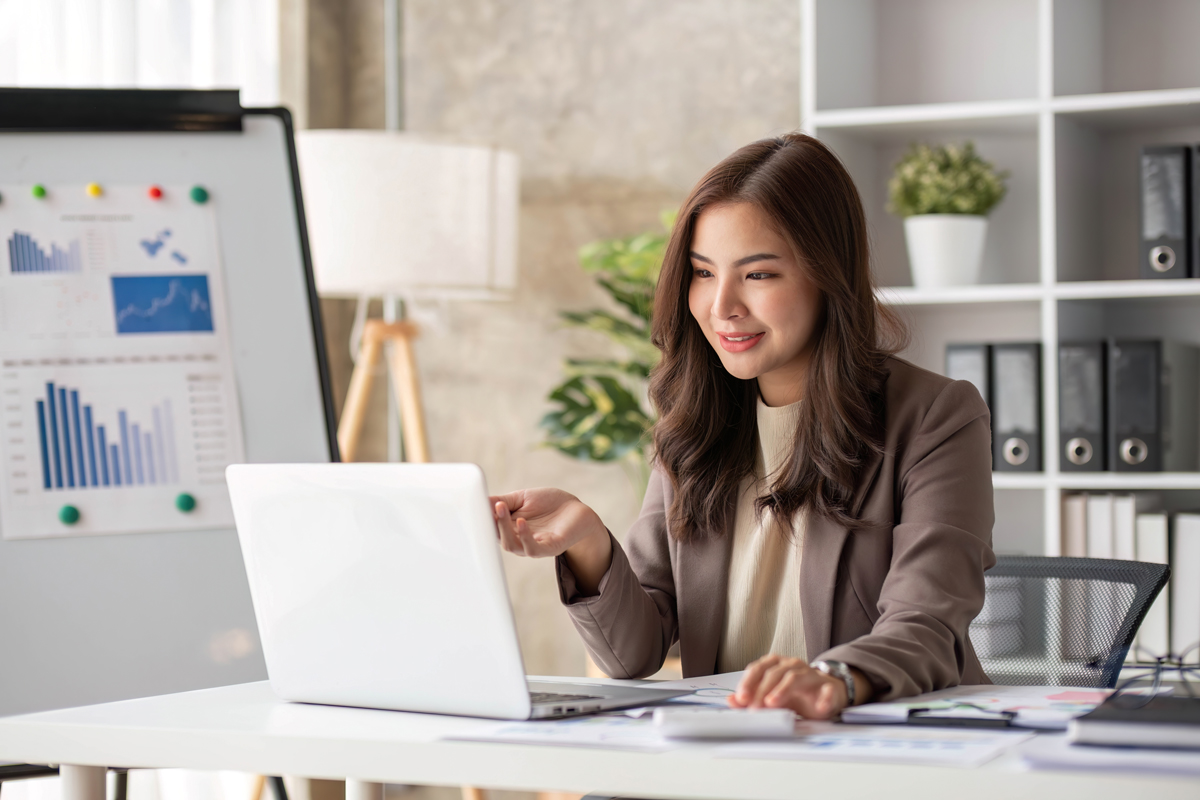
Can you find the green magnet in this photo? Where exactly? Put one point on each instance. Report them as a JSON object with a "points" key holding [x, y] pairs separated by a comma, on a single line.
{"points": [[38, 190], [199, 194], [68, 515], [185, 502]]}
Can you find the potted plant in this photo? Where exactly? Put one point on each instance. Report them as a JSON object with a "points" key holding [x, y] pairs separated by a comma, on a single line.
{"points": [[602, 412], [944, 194]]}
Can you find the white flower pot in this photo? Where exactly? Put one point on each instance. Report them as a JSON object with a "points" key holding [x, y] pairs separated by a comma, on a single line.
{"points": [[945, 249]]}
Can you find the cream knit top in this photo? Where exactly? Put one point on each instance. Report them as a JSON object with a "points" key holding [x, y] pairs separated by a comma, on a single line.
{"points": [[762, 607]]}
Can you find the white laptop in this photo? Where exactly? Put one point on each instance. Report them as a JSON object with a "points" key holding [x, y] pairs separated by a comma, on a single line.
{"points": [[381, 585]]}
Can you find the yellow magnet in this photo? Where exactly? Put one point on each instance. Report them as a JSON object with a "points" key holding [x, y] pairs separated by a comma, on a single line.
{"points": [[94, 190]]}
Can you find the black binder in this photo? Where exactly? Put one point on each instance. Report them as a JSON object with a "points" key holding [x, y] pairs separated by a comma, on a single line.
{"points": [[1081, 391], [971, 363], [1134, 438], [1152, 410], [1165, 220], [1016, 383]]}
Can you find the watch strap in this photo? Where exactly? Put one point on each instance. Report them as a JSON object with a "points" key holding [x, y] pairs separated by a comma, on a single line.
{"points": [[838, 669]]}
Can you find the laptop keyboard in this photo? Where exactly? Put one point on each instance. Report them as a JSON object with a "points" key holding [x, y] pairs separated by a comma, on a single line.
{"points": [[555, 697]]}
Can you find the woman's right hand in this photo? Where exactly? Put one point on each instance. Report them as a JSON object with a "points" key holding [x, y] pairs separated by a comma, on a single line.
{"points": [[542, 523]]}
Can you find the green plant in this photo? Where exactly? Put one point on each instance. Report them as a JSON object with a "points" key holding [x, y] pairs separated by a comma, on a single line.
{"points": [[945, 180], [602, 413]]}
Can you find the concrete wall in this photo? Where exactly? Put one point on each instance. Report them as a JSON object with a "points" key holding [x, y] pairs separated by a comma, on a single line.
{"points": [[615, 108]]}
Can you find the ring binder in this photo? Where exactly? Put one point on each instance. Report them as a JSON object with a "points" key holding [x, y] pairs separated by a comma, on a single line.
{"points": [[1166, 177], [1016, 382], [1152, 415], [1081, 406]]}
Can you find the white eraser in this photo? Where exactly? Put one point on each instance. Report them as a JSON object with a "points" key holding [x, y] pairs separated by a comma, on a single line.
{"points": [[724, 723]]}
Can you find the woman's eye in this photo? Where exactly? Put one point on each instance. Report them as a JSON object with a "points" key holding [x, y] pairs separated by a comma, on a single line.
{"points": [[700, 272], [758, 276]]}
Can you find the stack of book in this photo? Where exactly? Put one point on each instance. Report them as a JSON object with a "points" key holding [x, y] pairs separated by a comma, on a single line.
{"points": [[1126, 526]]}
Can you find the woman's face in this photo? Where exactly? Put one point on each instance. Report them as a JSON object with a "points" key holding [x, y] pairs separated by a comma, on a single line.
{"points": [[754, 302]]}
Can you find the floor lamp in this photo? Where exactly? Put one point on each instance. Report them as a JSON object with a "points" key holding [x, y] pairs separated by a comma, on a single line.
{"points": [[402, 217]]}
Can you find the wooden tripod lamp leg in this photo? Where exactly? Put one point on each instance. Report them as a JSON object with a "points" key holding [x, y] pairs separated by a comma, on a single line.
{"points": [[406, 384], [354, 412]]}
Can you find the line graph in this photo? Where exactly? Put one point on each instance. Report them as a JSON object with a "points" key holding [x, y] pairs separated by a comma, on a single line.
{"points": [[162, 304]]}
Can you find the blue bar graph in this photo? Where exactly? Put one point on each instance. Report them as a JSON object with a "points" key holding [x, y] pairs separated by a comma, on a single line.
{"points": [[66, 434], [74, 441], [26, 255], [103, 447], [58, 484], [41, 407]]}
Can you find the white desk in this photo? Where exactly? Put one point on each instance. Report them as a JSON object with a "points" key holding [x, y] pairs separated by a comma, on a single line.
{"points": [[247, 728]]}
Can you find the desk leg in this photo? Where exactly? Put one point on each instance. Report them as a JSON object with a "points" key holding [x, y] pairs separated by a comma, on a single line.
{"points": [[83, 783], [362, 790]]}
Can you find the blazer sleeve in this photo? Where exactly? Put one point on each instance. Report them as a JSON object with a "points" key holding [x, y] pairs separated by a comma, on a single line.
{"points": [[629, 626], [941, 547]]}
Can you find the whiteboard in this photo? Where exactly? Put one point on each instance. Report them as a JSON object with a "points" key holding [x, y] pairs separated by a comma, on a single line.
{"points": [[93, 618]]}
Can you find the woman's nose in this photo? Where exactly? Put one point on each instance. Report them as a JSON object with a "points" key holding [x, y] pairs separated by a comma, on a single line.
{"points": [[727, 303]]}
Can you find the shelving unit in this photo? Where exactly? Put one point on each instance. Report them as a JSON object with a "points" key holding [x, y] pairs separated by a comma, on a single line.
{"points": [[1061, 93]]}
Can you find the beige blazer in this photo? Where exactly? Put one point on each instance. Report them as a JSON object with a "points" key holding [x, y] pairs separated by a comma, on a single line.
{"points": [[894, 600]]}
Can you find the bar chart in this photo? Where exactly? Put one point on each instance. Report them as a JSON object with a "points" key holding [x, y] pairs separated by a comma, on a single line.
{"points": [[77, 451], [26, 255]]}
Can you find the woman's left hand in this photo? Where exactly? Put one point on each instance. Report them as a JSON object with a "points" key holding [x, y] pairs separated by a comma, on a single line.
{"points": [[778, 682]]}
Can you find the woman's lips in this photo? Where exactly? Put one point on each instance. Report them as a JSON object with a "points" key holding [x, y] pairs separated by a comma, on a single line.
{"points": [[739, 342]]}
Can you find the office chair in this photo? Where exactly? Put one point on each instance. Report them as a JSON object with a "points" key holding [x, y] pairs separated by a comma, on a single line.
{"points": [[1062, 621]]}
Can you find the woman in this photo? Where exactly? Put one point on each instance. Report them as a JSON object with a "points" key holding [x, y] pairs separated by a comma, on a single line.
{"points": [[814, 498]]}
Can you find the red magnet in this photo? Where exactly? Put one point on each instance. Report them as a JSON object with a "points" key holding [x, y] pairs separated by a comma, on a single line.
{"points": [[155, 192]]}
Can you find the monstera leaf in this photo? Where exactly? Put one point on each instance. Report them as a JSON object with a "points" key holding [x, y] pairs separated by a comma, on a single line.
{"points": [[598, 419]]}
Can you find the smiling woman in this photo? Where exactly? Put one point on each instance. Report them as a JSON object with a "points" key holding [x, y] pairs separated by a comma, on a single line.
{"points": [[812, 494]]}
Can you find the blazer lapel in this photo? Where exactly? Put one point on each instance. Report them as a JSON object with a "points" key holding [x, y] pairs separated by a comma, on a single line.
{"points": [[703, 569], [823, 544]]}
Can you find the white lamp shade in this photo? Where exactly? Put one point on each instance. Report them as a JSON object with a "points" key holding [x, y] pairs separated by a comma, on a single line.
{"points": [[395, 214]]}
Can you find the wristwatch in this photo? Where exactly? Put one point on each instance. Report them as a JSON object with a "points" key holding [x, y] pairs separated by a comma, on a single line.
{"points": [[837, 669]]}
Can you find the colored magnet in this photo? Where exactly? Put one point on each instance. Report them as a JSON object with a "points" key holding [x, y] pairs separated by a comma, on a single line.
{"points": [[94, 190], [38, 190], [185, 502], [155, 192], [199, 194], [68, 515]]}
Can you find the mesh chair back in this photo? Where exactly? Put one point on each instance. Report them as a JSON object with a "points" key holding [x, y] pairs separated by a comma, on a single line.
{"points": [[1062, 621]]}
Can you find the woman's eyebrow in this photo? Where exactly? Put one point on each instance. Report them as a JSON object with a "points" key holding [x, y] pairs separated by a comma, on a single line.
{"points": [[741, 262]]}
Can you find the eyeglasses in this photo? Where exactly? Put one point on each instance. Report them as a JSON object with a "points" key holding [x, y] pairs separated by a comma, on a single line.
{"points": [[1134, 693]]}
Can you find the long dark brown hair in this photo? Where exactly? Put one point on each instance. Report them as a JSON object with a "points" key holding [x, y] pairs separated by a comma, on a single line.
{"points": [[704, 440]]}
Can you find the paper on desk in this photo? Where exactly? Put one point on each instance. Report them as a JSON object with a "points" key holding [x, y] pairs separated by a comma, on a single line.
{"points": [[610, 732], [710, 690], [828, 741], [814, 741], [1055, 752], [1040, 707]]}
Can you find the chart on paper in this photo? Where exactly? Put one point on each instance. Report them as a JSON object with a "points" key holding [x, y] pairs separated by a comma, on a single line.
{"points": [[117, 394]]}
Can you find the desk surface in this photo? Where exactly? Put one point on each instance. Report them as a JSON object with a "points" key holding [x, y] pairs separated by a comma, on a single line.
{"points": [[247, 728]]}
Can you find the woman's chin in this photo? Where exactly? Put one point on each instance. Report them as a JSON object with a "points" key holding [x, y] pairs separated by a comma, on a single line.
{"points": [[740, 370]]}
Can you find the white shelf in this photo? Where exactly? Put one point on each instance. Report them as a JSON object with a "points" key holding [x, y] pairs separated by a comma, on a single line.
{"points": [[1033, 292], [1131, 481], [1114, 109], [889, 121], [1165, 107], [995, 293], [1103, 290]]}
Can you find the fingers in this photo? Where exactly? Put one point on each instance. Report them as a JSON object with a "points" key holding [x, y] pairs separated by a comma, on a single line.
{"points": [[771, 679], [748, 687], [506, 528], [512, 501]]}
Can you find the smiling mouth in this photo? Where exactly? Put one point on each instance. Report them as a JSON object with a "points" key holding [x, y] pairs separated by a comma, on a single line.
{"points": [[740, 342]]}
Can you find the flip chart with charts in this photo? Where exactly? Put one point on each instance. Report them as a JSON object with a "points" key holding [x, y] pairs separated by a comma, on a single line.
{"points": [[119, 399]]}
